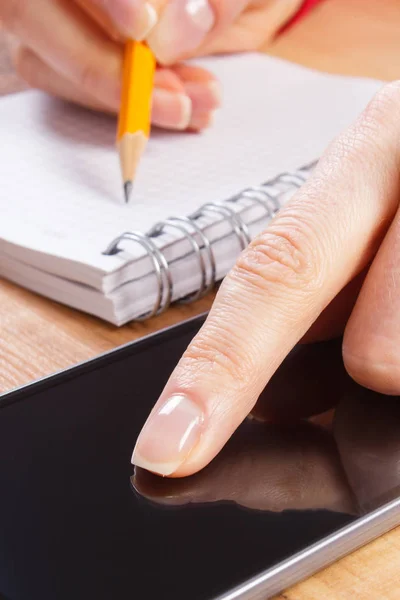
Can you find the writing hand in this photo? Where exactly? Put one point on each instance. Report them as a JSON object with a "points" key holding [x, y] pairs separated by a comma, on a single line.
{"points": [[74, 48]]}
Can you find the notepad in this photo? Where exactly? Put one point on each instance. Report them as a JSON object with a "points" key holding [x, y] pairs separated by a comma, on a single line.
{"points": [[62, 211]]}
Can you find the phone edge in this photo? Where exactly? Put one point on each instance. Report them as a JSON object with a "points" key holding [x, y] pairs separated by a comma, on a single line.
{"points": [[319, 555], [59, 376]]}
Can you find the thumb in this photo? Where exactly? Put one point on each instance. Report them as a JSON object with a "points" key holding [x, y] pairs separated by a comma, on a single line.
{"points": [[188, 27], [185, 25], [277, 289], [177, 29], [172, 28]]}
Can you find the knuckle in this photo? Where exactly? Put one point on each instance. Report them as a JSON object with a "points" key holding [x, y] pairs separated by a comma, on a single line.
{"points": [[370, 146], [372, 366], [216, 353], [376, 127], [384, 105], [12, 13], [282, 255]]}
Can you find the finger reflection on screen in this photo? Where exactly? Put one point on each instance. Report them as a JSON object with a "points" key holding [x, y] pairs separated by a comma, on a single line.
{"points": [[350, 464]]}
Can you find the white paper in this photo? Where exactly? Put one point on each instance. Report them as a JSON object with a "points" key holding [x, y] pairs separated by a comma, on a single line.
{"points": [[61, 192]]}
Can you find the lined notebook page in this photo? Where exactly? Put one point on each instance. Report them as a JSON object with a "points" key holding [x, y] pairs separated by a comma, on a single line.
{"points": [[60, 178]]}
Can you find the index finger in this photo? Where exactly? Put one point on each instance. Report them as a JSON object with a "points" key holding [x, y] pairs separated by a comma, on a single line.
{"points": [[277, 289], [263, 467]]}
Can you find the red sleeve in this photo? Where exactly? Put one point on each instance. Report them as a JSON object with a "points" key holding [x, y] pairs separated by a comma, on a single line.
{"points": [[303, 10]]}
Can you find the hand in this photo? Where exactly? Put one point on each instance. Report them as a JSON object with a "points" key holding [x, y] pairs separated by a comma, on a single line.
{"points": [[73, 48], [326, 265], [263, 467], [279, 467], [273, 467]]}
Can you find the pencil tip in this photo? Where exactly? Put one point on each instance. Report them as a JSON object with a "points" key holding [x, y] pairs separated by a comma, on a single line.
{"points": [[127, 190]]}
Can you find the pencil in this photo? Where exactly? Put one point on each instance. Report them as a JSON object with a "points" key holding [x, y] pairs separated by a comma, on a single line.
{"points": [[135, 112]]}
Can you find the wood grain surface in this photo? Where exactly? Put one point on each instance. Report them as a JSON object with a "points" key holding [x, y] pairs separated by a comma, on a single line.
{"points": [[38, 336]]}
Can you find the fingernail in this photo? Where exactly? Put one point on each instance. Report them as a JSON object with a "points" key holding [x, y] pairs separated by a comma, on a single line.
{"points": [[134, 22], [146, 21], [181, 29], [171, 110], [202, 121], [169, 436]]}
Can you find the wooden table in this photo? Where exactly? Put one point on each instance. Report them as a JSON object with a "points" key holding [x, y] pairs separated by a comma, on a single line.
{"points": [[38, 337]]}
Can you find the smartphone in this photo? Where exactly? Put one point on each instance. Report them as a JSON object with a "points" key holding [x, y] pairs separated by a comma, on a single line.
{"points": [[283, 499]]}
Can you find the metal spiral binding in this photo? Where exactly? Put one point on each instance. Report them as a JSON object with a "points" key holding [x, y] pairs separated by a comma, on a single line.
{"points": [[238, 225], [262, 195], [161, 269], [183, 224]]}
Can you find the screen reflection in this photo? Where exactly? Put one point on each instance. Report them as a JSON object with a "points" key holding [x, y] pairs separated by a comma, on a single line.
{"points": [[347, 460]]}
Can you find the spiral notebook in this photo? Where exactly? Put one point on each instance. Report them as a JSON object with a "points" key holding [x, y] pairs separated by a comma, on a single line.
{"points": [[65, 232]]}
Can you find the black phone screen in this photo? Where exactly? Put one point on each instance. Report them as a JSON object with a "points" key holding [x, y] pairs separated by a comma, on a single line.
{"points": [[78, 523]]}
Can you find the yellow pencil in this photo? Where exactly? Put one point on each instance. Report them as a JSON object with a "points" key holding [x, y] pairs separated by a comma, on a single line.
{"points": [[135, 113]]}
